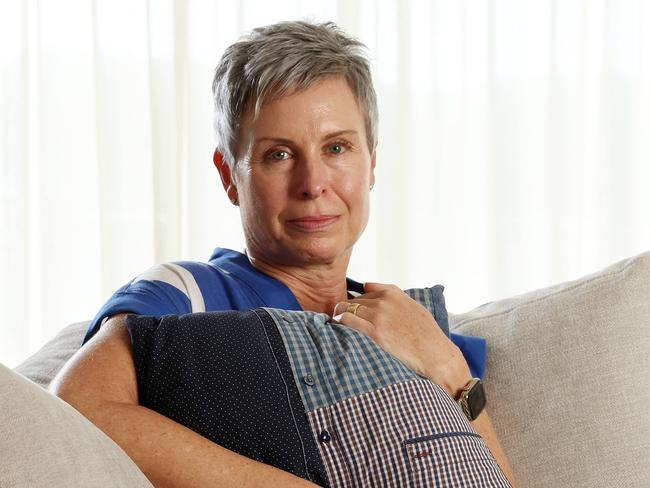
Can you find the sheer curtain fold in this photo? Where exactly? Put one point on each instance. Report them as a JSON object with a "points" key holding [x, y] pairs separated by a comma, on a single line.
{"points": [[513, 147]]}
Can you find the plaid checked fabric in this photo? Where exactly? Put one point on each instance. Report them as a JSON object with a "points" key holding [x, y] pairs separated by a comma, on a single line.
{"points": [[331, 361], [407, 434], [340, 360]]}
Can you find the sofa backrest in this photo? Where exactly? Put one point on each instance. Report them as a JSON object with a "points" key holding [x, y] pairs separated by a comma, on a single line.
{"points": [[568, 378]]}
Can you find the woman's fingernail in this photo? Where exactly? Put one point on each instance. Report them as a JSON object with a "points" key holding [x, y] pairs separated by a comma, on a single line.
{"points": [[337, 318], [339, 308]]}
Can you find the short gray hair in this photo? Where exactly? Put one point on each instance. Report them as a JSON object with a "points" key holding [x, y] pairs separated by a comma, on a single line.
{"points": [[285, 58]]}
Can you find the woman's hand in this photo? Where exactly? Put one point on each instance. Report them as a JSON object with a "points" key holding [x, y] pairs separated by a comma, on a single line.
{"points": [[408, 331]]}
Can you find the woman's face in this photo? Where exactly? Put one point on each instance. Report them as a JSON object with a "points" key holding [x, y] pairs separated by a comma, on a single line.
{"points": [[303, 176]]}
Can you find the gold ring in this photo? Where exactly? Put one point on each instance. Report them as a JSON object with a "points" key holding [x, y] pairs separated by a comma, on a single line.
{"points": [[353, 307]]}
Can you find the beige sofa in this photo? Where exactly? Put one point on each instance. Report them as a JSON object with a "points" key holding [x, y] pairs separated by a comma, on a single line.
{"points": [[568, 387]]}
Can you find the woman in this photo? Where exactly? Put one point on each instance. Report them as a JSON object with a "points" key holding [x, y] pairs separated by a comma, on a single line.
{"points": [[296, 123]]}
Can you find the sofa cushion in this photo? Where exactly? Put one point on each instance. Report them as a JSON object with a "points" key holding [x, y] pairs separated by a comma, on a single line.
{"points": [[45, 363], [44, 442], [567, 378]]}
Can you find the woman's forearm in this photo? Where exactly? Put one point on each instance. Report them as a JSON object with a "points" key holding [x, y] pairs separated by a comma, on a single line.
{"points": [[483, 426], [171, 455]]}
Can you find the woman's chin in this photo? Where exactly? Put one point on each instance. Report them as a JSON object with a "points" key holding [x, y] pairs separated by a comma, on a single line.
{"points": [[319, 251]]}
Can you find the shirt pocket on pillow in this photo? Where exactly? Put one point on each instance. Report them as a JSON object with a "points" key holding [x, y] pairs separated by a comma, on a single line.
{"points": [[452, 459]]}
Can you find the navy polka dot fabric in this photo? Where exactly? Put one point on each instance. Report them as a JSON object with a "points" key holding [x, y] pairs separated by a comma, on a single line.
{"points": [[226, 375]]}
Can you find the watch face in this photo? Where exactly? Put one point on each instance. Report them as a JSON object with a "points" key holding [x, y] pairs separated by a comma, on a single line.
{"points": [[476, 400]]}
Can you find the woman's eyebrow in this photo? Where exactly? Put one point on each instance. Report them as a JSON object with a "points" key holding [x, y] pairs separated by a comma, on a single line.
{"points": [[289, 141]]}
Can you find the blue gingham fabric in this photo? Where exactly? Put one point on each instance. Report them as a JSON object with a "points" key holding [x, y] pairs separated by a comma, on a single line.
{"points": [[332, 361]]}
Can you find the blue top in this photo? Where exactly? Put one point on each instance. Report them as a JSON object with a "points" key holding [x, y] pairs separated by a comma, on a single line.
{"points": [[228, 281]]}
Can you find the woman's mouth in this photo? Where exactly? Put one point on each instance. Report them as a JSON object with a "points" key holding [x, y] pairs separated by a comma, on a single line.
{"points": [[314, 222]]}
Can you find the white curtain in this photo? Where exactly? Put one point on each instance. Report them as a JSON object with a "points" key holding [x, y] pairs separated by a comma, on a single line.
{"points": [[514, 144]]}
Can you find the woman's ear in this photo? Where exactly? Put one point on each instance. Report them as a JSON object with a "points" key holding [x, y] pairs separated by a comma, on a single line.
{"points": [[227, 180], [373, 161]]}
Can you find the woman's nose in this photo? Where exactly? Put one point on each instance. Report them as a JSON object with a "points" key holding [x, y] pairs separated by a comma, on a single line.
{"points": [[311, 177]]}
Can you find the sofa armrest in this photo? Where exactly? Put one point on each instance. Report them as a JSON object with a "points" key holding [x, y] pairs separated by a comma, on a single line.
{"points": [[44, 442]]}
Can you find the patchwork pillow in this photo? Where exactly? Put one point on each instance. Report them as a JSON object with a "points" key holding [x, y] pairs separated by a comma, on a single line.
{"points": [[567, 378], [312, 397]]}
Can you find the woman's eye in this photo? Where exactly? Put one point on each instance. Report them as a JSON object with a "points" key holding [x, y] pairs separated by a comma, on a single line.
{"points": [[337, 148], [279, 155]]}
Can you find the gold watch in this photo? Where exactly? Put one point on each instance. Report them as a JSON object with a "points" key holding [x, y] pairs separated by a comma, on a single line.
{"points": [[472, 399]]}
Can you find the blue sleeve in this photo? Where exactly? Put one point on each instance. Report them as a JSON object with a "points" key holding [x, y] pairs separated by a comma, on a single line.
{"points": [[153, 298], [475, 351]]}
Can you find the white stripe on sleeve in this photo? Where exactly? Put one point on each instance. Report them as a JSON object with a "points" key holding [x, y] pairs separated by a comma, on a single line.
{"points": [[179, 278]]}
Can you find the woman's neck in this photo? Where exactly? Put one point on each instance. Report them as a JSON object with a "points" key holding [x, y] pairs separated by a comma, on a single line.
{"points": [[317, 288]]}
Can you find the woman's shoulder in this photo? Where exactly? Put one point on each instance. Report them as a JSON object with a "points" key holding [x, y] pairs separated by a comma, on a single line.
{"points": [[189, 274]]}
